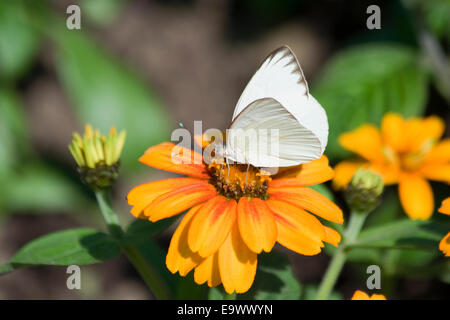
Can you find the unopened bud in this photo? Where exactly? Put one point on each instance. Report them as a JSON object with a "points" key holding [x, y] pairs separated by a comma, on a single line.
{"points": [[364, 191], [98, 156]]}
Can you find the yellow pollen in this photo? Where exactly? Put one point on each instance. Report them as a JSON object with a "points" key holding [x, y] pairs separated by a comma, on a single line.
{"points": [[239, 180]]}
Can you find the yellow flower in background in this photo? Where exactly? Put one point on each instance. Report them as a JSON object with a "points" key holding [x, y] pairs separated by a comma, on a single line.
{"points": [[360, 295], [233, 214], [444, 245], [97, 156], [406, 152]]}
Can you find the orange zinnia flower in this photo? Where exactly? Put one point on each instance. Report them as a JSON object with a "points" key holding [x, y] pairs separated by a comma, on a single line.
{"points": [[360, 295], [444, 245], [406, 152], [230, 221]]}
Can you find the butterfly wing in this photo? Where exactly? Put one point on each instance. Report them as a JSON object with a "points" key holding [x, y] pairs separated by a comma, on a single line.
{"points": [[265, 134], [281, 79]]}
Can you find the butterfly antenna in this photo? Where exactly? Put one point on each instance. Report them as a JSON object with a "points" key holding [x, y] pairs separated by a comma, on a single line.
{"points": [[228, 167], [246, 174]]}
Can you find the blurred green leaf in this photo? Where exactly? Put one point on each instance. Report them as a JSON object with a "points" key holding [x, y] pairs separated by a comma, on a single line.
{"points": [[437, 13], [6, 268], [389, 209], [13, 130], [74, 246], [101, 12], [216, 293], [404, 233], [187, 289], [107, 94], [18, 40], [274, 279], [324, 190], [360, 84], [142, 230], [310, 293], [41, 188]]}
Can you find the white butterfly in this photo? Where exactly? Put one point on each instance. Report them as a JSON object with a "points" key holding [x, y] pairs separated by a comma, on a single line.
{"points": [[277, 100]]}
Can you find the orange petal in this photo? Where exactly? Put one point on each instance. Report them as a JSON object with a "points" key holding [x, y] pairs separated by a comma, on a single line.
{"points": [[445, 206], [310, 200], [211, 225], [437, 172], [179, 257], [389, 172], [444, 245], [365, 141], [237, 263], [169, 157], [208, 271], [179, 200], [393, 131], [439, 153], [141, 197], [256, 224], [332, 236], [343, 173], [307, 174], [315, 172], [297, 230], [377, 297], [421, 131], [359, 295], [416, 196]]}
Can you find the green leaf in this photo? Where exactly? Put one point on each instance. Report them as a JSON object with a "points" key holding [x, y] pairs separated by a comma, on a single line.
{"points": [[41, 188], [389, 209], [274, 279], [404, 234], [310, 293], [13, 130], [324, 190], [74, 246], [105, 93], [361, 84], [156, 257], [142, 230], [436, 14], [18, 40], [187, 289], [6, 268], [102, 12]]}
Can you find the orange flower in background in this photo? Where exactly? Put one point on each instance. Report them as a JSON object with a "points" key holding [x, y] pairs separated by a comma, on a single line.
{"points": [[445, 206], [360, 295], [233, 214], [444, 245], [403, 151]]}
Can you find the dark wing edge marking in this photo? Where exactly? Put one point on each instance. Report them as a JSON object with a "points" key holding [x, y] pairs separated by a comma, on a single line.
{"points": [[297, 70]]}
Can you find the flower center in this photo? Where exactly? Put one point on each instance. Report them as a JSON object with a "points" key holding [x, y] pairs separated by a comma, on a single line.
{"points": [[408, 160], [239, 180]]}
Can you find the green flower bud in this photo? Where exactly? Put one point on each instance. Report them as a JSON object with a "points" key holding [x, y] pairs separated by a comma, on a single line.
{"points": [[98, 156], [364, 191]]}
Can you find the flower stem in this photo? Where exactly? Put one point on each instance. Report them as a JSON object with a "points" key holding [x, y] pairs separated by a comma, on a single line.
{"points": [[112, 222], [156, 286], [145, 270], [337, 262]]}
